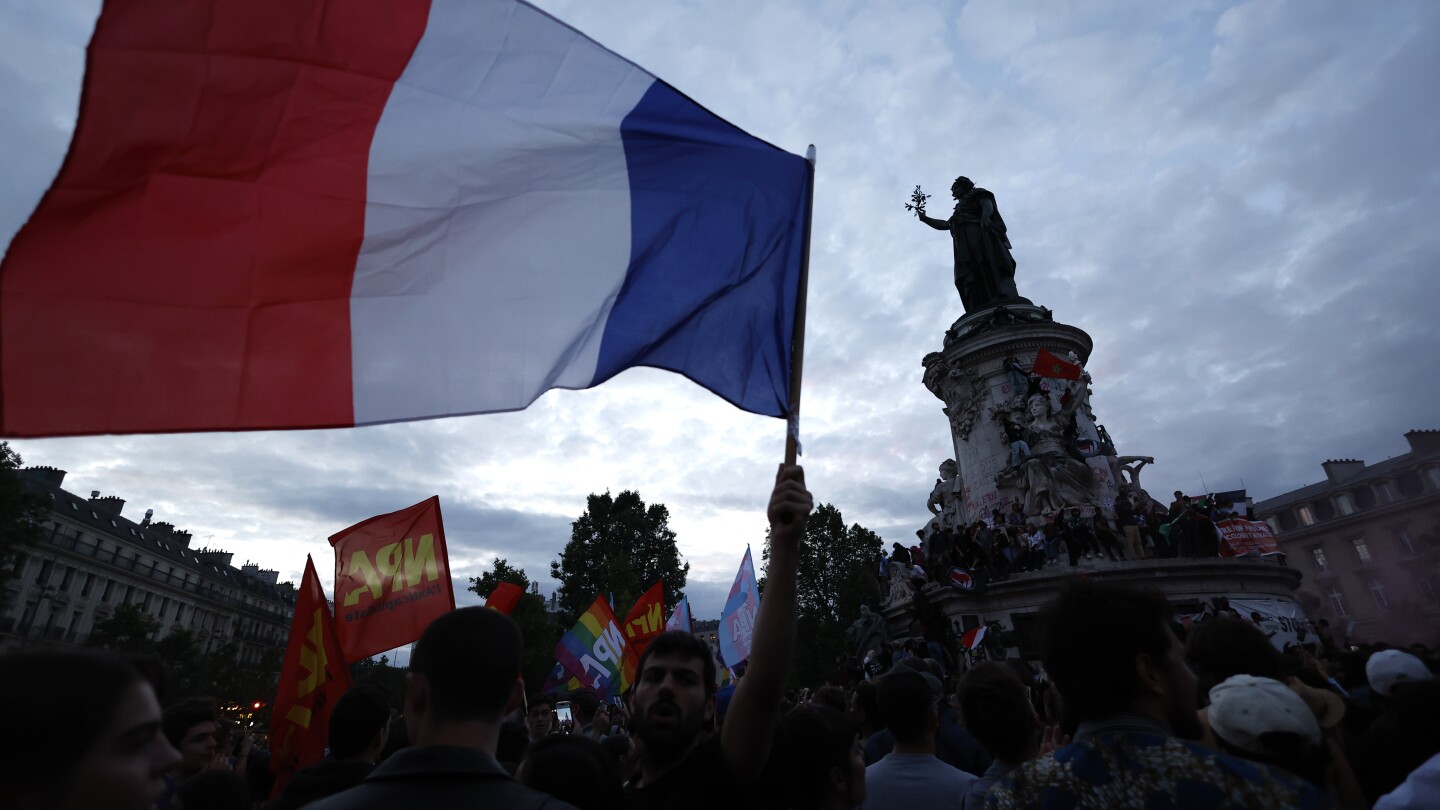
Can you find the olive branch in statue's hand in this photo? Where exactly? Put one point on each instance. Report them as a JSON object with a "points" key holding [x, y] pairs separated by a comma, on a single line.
{"points": [[917, 202]]}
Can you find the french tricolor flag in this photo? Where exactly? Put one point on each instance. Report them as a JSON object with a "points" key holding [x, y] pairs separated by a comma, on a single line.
{"points": [[299, 213]]}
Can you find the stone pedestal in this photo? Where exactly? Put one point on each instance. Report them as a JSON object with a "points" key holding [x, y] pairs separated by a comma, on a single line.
{"points": [[1070, 462]]}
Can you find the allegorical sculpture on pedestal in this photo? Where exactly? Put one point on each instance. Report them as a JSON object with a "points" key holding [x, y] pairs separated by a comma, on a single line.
{"points": [[984, 268], [1016, 393]]}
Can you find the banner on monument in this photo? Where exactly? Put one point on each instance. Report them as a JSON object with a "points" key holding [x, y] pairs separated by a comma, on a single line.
{"points": [[1280, 620], [1239, 537]]}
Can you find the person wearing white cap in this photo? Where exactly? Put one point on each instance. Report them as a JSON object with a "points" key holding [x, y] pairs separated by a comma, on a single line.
{"points": [[1264, 720], [1390, 668]]}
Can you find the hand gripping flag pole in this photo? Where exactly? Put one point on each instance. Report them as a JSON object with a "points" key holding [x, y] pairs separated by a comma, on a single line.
{"points": [[797, 348]]}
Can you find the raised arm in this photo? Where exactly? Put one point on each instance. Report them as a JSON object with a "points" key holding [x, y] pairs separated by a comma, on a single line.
{"points": [[937, 224], [750, 722]]}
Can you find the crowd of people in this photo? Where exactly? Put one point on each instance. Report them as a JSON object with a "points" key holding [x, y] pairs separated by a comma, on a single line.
{"points": [[1007, 543], [1127, 708]]}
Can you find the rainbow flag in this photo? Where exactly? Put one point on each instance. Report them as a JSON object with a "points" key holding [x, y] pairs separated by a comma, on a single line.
{"points": [[560, 681], [596, 652]]}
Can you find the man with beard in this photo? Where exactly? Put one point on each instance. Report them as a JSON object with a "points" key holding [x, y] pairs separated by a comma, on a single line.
{"points": [[674, 697], [1122, 675]]}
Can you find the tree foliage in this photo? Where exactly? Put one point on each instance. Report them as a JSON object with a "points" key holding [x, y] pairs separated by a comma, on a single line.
{"points": [[538, 628], [836, 574], [619, 546], [129, 629], [22, 514]]}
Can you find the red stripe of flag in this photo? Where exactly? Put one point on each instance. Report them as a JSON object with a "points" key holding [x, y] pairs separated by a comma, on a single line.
{"points": [[1049, 365], [207, 131]]}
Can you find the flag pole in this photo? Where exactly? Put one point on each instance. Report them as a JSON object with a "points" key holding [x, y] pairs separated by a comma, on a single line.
{"points": [[797, 346]]}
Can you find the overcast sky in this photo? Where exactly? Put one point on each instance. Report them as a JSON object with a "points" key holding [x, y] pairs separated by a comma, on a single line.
{"points": [[1238, 201]]}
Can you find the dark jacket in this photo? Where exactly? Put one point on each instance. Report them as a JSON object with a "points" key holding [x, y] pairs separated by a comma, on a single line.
{"points": [[438, 776]]}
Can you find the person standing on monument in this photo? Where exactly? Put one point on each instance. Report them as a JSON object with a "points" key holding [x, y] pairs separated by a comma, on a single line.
{"points": [[984, 268]]}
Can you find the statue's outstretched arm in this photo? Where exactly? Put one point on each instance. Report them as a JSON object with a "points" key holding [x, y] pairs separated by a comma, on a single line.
{"points": [[937, 224]]}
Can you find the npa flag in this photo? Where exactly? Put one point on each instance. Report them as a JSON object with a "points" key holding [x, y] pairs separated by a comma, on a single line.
{"points": [[680, 619], [312, 678], [646, 619], [1048, 365], [737, 620], [392, 578], [302, 213], [974, 637], [505, 597], [595, 651]]}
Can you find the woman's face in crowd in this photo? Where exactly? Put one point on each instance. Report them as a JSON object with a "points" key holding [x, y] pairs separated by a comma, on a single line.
{"points": [[125, 766]]}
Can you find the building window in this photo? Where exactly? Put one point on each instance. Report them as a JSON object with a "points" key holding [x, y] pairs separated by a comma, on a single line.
{"points": [[1407, 543], [1345, 503], [109, 587], [1429, 589], [1274, 524], [1385, 491], [42, 577], [1377, 592], [1433, 473], [66, 577], [1306, 515], [1362, 551], [1321, 564], [145, 605], [89, 583], [1337, 600]]}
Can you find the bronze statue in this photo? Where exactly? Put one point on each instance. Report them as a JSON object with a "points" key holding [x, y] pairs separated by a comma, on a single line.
{"points": [[984, 268]]}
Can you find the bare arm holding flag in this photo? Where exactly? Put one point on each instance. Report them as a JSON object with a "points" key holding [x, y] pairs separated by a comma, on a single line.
{"points": [[750, 722]]}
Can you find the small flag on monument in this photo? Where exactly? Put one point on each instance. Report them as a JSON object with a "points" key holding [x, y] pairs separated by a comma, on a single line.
{"points": [[1049, 365]]}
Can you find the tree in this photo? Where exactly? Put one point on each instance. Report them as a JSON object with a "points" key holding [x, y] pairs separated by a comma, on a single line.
{"points": [[128, 629], [538, 629], [619, 547], [22, 515], [381, 676], [836, 575]]}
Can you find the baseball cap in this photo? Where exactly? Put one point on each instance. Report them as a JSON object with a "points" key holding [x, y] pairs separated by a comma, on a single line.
{"points": [[1261, 716], [1387, 668]]}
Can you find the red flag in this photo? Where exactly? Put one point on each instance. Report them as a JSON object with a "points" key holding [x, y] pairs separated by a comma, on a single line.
{"points": [[647, 619], [505, 597], [313, 677], [1048, 365], [392, 578], [974, 637]]}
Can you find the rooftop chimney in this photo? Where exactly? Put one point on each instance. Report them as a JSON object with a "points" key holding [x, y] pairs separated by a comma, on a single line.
{"points": [[1339, 470], [149, 513], [109, 504], [1423, 441], [48, 476]]}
